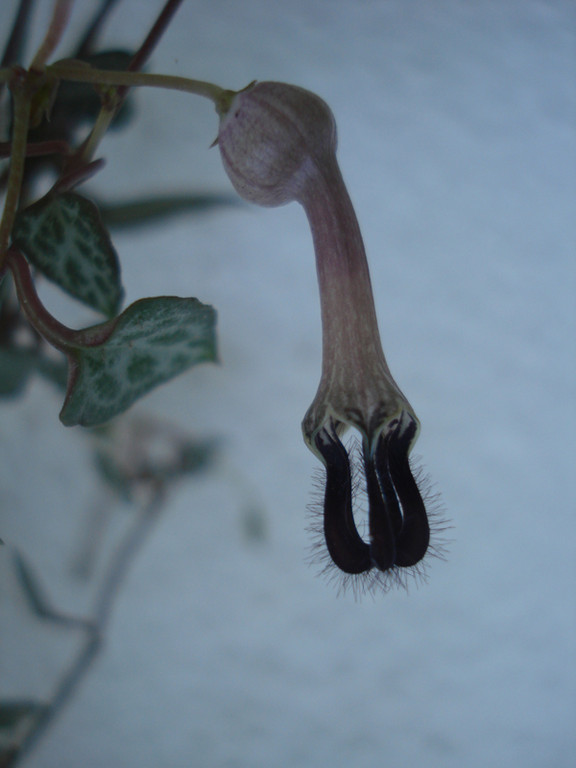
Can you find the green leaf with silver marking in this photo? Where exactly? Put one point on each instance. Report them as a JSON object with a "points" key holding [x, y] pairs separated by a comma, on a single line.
{"points": [[63, 236], [152, 341]]}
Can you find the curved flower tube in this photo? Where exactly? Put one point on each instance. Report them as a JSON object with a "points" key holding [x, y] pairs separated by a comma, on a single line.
{"points": [[278, 145]]}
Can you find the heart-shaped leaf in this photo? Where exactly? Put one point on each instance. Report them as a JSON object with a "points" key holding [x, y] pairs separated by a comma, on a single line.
{"points": [[152, 341], [64, 237]]}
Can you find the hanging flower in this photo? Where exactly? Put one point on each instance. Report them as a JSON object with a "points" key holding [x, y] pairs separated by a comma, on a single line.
{"points": [[278, 145]]}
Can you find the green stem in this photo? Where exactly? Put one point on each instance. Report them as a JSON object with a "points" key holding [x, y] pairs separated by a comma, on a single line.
{"points": [[87, 150], [83, 74], [21, 121]]}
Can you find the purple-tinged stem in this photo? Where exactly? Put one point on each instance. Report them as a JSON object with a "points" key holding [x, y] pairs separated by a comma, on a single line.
{"points": [[38, 148], [55, 333], [58, 335], [58, 23]]}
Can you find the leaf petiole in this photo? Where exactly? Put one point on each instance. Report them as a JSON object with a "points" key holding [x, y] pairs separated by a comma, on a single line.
{"points": [[56, 333]]}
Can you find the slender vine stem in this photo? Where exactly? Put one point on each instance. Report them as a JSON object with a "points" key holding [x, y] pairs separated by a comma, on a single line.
{"points": [[18, 33], [60, 16], [21, 121], [86, 152], [67, 70], [38, 148], [53, 331], [112, 104], [152, 38], [86, 45], [57, 334]]}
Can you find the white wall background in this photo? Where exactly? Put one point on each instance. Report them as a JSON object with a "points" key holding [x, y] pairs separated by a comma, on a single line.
{"points": [[456, 124]]}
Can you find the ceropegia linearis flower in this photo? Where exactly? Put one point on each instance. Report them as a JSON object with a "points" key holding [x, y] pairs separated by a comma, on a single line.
{"points": [[278, 145]]}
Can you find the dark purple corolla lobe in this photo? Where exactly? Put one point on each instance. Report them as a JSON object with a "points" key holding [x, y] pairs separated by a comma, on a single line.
{"points": [[399, 532], [384, 513], [413, 537], [346, 547], [278, 144]]}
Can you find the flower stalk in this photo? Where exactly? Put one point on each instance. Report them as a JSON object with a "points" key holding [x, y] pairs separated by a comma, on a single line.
{"points": [[69, 69]]}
